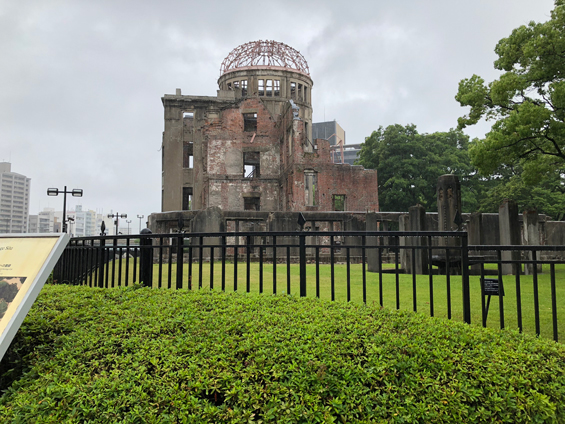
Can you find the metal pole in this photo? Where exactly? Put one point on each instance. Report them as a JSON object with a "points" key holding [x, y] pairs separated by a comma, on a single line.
{"points": [[64, 210]]}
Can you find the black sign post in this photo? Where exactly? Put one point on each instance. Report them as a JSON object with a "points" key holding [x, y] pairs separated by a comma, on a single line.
{"points": [[491, 287]]}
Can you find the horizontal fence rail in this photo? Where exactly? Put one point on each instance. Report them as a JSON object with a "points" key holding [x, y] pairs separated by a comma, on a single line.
{"points": [[434, 272]]}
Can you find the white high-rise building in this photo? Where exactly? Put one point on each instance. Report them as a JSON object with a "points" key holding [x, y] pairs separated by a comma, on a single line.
{"points": [[14, 200]]}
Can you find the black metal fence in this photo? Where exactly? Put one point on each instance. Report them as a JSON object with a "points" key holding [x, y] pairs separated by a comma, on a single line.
{"points": [[434, 272]]}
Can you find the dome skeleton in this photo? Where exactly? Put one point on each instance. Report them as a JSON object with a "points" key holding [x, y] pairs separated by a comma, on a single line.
{"points": [[269, 54]]}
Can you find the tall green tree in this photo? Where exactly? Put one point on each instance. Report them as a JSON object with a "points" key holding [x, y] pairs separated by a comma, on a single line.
{"points": [[527, 103], [409, 164]]}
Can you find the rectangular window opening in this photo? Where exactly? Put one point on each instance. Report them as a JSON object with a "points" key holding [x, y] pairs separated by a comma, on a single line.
{"points": [[187, 155], [244, 87], [250, 122], [338, 201], [277, 87], [189, 115], [251, 164], [293, 90], [269, 88], [261, 87], [251, 203], [187, 198], [305, 93], [310, 187], [300, 98]]}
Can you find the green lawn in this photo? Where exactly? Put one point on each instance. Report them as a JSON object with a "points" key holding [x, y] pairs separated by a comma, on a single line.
{"points": [[405, 289]]}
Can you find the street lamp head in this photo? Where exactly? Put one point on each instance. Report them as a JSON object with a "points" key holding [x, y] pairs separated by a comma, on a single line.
{"points": [[110, 215], [52, 192], [124, 215], [77, 192]]}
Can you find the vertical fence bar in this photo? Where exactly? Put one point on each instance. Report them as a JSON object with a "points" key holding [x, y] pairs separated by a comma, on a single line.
{"points": [[519, 302], [465, 278], [448, 282], [274, 264], [261, 268], [397, 271], [317, 249], [190, 259], [414, 293], [500, 288], [483, 306], [363, 267], [101, 256], [348, 259], [180, 260], [91, 263], [224, 241], [200, 260], [332, 271], [211, 285], [553, 301], [287, 269], [120, 256], [235, 260], [113, 259], [248, 265], [302, 239], [136, 253], [128, 240], [431, 275], [536, 292], [170, 264], [160, 262], [380, 260]]}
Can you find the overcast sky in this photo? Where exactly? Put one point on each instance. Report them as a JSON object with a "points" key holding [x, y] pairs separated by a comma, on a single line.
{"points": [[81, 81]]}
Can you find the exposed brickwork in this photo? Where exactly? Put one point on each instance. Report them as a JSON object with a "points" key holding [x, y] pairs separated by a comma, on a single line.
{"points": [[215, 134]]}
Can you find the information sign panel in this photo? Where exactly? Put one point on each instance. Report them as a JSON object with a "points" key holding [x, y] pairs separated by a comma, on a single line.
{"points": [[25, 264], [492, 287]]}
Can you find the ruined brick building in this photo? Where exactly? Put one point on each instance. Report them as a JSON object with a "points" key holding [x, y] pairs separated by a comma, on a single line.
{"points": [[250, 147]]}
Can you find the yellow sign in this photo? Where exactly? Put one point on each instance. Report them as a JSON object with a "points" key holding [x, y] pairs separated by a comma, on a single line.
{"points": [[25, 263]]}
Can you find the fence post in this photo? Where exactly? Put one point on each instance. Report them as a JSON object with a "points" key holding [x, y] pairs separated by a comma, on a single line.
{"points": [[146, 259], [180, 258], [465, 278], [302, 237]]}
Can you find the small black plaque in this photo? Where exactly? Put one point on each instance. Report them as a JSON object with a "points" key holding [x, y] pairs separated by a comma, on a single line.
{"points": [[492, 287]]}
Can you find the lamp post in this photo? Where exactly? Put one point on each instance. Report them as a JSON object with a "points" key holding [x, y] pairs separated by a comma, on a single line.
{"points": [[140, 218], [128, 222], [76, 192], [117, 215]]}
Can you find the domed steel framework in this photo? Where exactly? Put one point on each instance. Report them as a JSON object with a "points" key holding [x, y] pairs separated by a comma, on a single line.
{"points": [[264, 54]]}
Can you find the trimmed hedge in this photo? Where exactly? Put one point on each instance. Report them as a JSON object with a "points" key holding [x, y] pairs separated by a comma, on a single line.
{"points": [[147, 355]]}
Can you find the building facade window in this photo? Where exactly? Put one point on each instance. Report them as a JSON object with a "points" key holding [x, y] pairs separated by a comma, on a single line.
{"points": [[261, 87], [251, 203], [310, 187], [251, 164], [250, 122], [187, 155], [187, 198], [338, 202]]}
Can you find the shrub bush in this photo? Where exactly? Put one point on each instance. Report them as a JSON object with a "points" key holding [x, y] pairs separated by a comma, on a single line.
{"points": [[147, 355]]}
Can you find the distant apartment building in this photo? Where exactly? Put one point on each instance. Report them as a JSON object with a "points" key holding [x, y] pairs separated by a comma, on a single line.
{"points": [[80, 222], [44, 222], [14, 200]]}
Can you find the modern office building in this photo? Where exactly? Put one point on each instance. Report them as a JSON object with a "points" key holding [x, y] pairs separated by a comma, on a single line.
{"points": [[14, 200]]}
